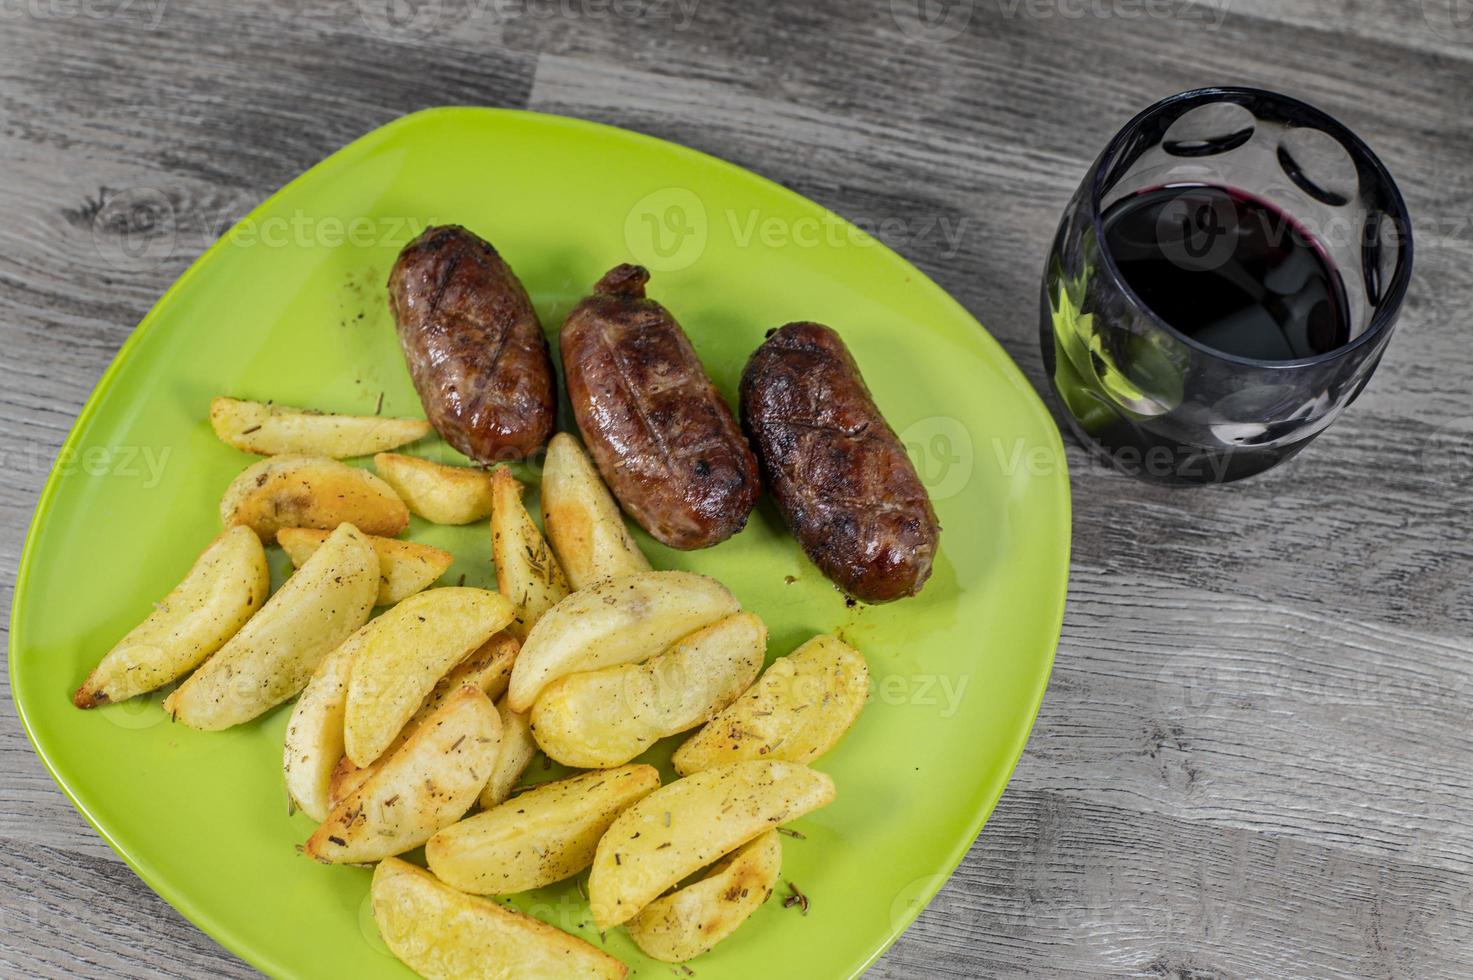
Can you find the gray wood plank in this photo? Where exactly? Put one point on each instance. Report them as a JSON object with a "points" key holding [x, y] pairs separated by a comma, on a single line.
{"points": [[1255, 758]]}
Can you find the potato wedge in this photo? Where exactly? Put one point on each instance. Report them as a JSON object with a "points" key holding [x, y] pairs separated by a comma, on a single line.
{"points": [[798, 710], [278, 650], [314, 733], [425, 786], [438, 493], [689, 921], [443, 934], [619, 621], [311, 491], [583, 522], [603, 718], [405, 567], [518, 749], [543, 835], [410, 647], [488, 668], [526, 571], [271, 430], [228, 582], [686, 825]]}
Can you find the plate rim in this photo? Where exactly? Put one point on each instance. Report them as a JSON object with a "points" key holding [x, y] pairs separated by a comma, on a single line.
{"points": [[200, 916]]}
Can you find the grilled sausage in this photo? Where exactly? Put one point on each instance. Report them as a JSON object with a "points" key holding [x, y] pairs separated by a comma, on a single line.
{"points": [[659, 431], [834, 466], [475, 351]]}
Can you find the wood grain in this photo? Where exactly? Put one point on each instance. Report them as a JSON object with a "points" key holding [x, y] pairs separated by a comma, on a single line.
{"points": [[1256, 755]]}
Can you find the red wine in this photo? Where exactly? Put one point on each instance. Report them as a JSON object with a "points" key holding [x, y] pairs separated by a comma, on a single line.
{"points": [[1228, 270]]}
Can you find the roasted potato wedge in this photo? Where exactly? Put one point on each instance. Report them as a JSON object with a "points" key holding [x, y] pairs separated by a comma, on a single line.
{"points": [[488, 668], [278, 650], [686, 825], [426, 785], [798, 710], [311, 491], [526, 571], [603, 718], [408, 650], [689, 921], [405, 567], [583, 522], [228, 582], [619, 621], [314, 733], [518, 749], [271, 430], [442, 934], [440, 494], [543, 835]]}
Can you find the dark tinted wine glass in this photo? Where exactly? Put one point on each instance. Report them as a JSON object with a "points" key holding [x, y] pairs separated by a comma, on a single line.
{"points": [[1222, 285]]}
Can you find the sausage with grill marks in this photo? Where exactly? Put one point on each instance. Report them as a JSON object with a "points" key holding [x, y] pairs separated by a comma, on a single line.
{"points": [[835, 468], [657, 428], [475, 350]]}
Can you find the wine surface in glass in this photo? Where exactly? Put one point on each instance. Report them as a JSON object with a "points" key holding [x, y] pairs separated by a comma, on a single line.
{"points": [[1229, 271]]}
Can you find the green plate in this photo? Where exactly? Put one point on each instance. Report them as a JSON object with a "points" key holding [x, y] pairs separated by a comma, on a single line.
{"points": [[290, 306]]}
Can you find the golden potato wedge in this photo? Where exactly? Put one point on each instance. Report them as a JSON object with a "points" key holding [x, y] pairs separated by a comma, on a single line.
{"points": [[544, 835], [314, 733], [278, 650], [405, 567], [691, 920], [686, 825], [271, 430], [311, 491], [619, 621], [345, 778], [488, 668], [583, 522], [526, 571], [442, 934], [438, 493], [798, 710], [410, 647], [227, 583], [518, 749], [425, 786], [603, 718]]}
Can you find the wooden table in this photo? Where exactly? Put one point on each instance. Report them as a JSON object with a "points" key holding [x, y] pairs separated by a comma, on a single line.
{"points": [[1256, 754]]}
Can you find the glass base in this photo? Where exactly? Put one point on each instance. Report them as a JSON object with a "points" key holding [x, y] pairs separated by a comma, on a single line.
{"points": [[1137, 452]]}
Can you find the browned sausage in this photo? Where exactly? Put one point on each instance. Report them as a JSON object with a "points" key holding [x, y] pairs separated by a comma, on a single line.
{"points": [[475, 351], [659, 431], [834, 466]]}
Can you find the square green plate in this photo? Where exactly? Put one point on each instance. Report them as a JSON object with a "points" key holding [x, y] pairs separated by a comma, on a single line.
{"points": [[290, 306]]}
